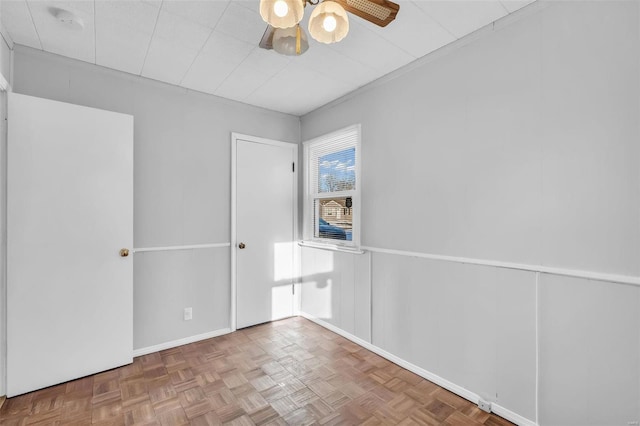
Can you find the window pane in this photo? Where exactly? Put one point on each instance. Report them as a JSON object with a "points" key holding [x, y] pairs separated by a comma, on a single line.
{"points": [[337, 171], [333, 218]]}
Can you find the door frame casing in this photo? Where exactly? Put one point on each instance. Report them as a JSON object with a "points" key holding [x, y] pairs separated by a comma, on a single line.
{"points": [[235, 137], [5, 89]]}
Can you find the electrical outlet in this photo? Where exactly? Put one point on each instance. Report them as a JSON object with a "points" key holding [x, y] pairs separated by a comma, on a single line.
{"points": [[188, 314], [484, 405]]}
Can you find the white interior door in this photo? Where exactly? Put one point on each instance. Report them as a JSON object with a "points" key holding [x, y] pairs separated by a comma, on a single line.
{"points": [[69, 212], [265, 222]]}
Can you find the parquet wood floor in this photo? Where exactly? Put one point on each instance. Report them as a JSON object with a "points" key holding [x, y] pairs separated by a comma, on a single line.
{"points": [[289, 372]]}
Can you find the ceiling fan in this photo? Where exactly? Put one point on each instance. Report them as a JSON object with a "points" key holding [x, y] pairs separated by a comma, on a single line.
{"points": [[328, 22]]}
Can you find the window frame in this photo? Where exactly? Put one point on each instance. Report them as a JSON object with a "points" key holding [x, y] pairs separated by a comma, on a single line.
{"points": [[312, 149]]}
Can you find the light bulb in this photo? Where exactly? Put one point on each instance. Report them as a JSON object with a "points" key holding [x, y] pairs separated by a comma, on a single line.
{"points": [[280, 8], [329, 24]]}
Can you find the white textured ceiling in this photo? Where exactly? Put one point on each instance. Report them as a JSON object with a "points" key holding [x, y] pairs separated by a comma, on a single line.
{"points": [[212, 45]]}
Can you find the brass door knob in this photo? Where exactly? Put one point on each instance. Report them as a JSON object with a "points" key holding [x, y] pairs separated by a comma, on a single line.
{"points": [[241, 246], [124, 252]]}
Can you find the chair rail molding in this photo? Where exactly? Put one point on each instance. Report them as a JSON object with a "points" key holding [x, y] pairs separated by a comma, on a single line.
{"points": [[590, 275], [186, 247]]}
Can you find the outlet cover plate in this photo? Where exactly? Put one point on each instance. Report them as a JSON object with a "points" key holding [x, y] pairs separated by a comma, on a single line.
{"points": [[484, 405]]}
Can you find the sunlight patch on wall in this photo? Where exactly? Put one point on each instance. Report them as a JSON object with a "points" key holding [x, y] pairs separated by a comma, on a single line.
{"points": [[283, 261]]}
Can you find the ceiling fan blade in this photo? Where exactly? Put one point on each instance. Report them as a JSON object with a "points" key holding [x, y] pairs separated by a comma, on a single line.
{"points": [[267, 38], [379, 12]]}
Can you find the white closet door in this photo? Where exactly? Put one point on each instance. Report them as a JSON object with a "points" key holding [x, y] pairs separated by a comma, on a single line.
{"points": [[69, 213], [265, 205]]}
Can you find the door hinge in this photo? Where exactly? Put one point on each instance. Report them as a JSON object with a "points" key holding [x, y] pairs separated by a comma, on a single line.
{"points": [[293, 289], [293, 167]]}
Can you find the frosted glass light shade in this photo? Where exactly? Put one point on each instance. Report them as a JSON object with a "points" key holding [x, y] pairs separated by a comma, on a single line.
{"points": [[318, 29], [290, 41], [294, 12]]}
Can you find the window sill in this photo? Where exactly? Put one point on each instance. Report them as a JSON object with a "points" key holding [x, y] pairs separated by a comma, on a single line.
{"points": [[330, 247]]}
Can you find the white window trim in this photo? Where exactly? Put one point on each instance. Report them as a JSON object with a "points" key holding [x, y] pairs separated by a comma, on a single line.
{"points": [[307, 235]]}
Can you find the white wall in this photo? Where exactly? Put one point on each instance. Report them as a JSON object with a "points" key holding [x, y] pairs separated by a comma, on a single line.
{"points": [[182, 142], [521, 145]]}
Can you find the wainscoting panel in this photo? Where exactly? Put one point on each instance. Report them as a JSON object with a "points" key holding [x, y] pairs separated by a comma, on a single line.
{"points": [[362, 300], [337, 289], [516, 352], [472, 325], [589, 352], [166, 282]]}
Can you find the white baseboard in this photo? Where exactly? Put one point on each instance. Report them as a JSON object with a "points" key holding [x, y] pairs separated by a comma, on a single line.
{"points": [[511, 416], [458, 390], [180, 342]]}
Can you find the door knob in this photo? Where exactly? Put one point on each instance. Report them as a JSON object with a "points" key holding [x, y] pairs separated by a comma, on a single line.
{"points": [[124, 252], [241, 246]]}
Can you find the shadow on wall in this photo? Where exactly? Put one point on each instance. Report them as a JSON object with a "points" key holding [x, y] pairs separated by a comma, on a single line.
{"points": [[324, 297], [321, 277]]}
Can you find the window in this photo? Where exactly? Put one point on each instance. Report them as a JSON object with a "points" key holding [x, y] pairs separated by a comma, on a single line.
{"points": [[332, 188]]}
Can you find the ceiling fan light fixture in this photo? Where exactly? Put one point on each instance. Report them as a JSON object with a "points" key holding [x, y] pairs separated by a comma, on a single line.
{"points": [[282, 13], [329, 22], [290, 41]]}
